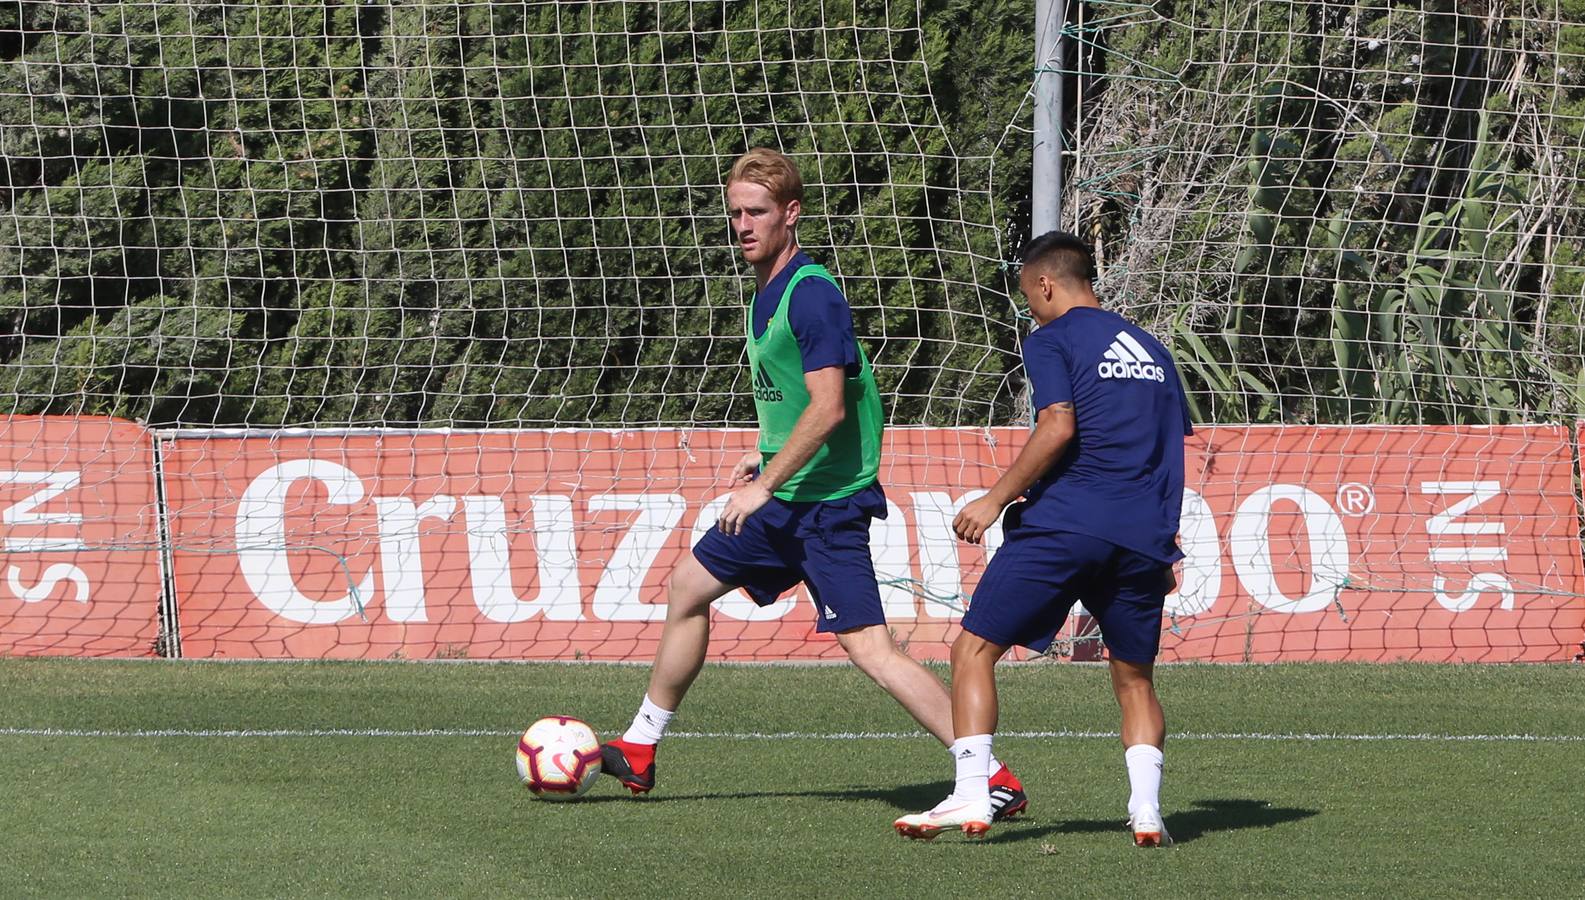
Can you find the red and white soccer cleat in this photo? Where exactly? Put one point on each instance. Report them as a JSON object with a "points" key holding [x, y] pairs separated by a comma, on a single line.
{"points": [[631, 764], [1148, 829], [1007, 795], [974, 819]]}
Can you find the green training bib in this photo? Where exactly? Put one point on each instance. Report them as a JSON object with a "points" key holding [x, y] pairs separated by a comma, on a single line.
{"points": [[850, 458]]}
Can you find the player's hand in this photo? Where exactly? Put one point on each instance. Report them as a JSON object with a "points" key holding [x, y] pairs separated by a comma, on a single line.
{"points": [[972, 521], [747, 467], [742, 504]]}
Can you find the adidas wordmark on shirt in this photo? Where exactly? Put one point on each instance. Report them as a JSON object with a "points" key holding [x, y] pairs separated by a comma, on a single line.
{"points": [[1121, 480], [1127, 358]]}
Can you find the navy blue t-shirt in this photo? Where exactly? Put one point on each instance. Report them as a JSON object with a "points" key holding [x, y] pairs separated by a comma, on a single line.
{"points": [[819, 316], [1121, 478]]}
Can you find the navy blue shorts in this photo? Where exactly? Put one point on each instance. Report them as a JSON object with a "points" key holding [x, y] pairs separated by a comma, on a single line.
{"points": [[1037, 575], [824, 544]]}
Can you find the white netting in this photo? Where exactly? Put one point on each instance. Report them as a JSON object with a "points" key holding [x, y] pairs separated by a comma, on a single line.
{"points": [[457, 277], [1355, 214], [1344, 212], [450, 216], [486, 213]]}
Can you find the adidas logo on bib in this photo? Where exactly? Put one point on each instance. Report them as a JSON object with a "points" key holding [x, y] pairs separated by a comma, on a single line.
{"points": [[764, 388], [1127, 358]]}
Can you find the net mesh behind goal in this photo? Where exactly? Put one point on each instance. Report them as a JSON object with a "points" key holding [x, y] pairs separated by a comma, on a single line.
{"points": [[471, 214], [1343, 216], [359, 219], [1345, 213], [432, 315]]}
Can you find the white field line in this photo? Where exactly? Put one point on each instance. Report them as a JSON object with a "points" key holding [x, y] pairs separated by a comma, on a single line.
{"points": [[771, 735]]}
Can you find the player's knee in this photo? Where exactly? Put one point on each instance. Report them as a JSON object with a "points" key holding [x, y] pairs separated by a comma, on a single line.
{"points": [[1136, 691], [1134, 686], [972, 650], [680, 601], [690, 590], [870, 647]]}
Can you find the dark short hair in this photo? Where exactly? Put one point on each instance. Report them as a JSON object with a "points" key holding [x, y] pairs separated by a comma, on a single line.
{"points": [[1061, 255]]}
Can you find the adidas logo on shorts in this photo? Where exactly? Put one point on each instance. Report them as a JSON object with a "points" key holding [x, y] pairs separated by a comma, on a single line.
{"points": [[1127, 358]]}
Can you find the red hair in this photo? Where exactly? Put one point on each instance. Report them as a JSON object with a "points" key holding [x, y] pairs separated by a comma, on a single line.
{"points": [[770, 170]]}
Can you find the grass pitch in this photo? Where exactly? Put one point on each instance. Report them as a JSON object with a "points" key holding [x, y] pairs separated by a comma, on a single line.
{"points": [[238, 779]]}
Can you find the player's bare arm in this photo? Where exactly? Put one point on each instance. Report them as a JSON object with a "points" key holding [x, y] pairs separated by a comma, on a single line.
{"points": [[823, 414], [1054, 429]]}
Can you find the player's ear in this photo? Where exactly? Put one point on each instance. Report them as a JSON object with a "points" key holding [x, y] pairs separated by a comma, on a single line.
{"points": [[793, 211]]}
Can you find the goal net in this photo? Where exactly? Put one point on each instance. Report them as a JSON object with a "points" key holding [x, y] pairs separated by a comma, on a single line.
{"points": [[433, 312], [1359, 227], [381, 329]]}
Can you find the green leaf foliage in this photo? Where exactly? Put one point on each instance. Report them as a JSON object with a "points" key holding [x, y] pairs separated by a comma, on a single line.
{"points": [[509, 214], [1350, 212], [452, 214]]}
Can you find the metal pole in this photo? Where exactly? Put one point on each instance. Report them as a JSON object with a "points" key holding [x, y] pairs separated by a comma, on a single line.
{"points": [[1046, 206], [1046, 179]]}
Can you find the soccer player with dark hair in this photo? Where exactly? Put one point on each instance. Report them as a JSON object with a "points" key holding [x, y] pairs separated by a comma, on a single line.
{"points": [[1102, 485], [804, 499]]}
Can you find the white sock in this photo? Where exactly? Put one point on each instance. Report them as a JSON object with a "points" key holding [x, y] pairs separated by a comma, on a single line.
{"points": [[649, 726], [995, 765], [1144, 776], [971, 756]]}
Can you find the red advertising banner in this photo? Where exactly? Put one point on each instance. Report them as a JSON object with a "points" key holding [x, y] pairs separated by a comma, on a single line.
{"points": [[79, 527], [1303, 543], [1379, 543]]}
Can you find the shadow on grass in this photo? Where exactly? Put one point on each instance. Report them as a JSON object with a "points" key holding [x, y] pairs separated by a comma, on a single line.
{"points": [[1204, 817], [905, 797]]}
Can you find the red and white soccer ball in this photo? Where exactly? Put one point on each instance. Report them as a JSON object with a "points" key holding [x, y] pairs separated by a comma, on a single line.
{"points": [[558, 758]]}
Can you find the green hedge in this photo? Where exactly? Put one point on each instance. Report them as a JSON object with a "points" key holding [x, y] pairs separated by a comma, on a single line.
{"points": [[475, 214]]}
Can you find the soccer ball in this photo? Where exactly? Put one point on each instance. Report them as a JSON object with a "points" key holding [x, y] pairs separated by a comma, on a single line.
{"points": [[558, 758]]}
